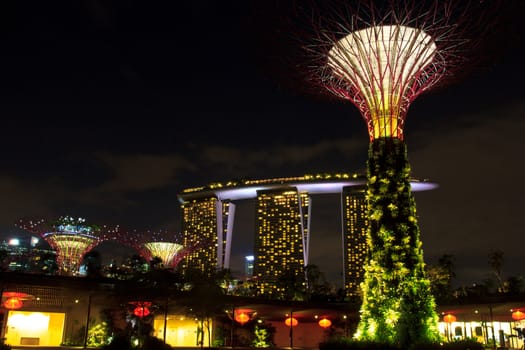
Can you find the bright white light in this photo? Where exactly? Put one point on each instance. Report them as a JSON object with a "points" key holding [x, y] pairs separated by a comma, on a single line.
{"points": [[14, 241], [37, 321], [249, 258], [34, 241], [29, 321], [382, 57], [16, 320]]}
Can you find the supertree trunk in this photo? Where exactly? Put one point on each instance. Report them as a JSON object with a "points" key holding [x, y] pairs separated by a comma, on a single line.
{"points": [[398, 306]]}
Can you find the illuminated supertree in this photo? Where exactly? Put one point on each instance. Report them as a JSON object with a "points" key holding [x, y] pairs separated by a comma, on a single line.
{"points": [[380, 55], [159, 244], [166, 251], [70, 237]]}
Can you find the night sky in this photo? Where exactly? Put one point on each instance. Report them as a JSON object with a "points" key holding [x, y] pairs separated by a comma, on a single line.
{"points": [[110, 108]]}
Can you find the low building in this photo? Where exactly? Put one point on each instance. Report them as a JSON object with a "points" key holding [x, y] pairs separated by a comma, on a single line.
{"points": [[54, 311]]}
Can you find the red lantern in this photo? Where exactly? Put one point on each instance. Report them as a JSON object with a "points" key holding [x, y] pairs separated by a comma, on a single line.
{"points": [[242, 318], [13, 303], [243, 315], [449, 318], [325, 323], [518, 315], [291, 322], [141, 309], [14, 300]]}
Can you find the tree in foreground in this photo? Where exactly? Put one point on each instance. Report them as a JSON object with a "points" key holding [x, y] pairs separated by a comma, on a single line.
{"points": [[381, 55]]}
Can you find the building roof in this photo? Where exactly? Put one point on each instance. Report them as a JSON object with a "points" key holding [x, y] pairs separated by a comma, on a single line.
{"points": [[313, 184]]}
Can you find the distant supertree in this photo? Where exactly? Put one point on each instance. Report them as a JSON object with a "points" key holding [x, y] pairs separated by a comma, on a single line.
{"points": [[160, 244], [166, 251], [380, 55], [70, 237]]}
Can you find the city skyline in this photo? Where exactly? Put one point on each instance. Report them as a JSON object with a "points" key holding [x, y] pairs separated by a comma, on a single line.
{"points": [[110, 112]]}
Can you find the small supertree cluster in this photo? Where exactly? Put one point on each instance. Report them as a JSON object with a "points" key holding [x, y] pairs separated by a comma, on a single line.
{"points": [[70, 237]]}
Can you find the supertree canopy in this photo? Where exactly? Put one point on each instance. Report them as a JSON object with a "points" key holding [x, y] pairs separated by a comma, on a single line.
{"points": [[158, 244], [380, 55], [381, 69], [166, 251], [70, 237]]}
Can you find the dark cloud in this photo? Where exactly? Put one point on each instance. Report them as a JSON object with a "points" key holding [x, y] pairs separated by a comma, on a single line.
{"points": [[246, 162], [26, 198], [140, 172], [479, 203]]}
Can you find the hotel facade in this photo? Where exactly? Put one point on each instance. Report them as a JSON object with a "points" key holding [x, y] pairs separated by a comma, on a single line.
{"points": [[282, 226]]}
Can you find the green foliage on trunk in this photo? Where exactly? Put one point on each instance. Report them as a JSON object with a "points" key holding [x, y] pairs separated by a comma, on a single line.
{"points": [[398, 307]]}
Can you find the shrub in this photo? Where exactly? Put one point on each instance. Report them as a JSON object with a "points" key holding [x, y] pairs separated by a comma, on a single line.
{"points": [[342, 343], [464, 344], [152, 343], [119, 343]]}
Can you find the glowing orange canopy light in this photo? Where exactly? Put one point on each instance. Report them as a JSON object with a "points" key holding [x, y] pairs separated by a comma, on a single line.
{"points": [[325, 323], [518, 315], [291, 322], [242, 318], [13, 303], [449, 318]]}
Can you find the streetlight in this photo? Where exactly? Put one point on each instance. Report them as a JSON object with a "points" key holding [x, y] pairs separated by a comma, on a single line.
{"points": [[291, 322]]}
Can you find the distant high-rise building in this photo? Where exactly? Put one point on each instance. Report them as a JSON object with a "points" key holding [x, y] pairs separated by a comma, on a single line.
{"points": [[207, 224], [281, 239], [354, 237], [248, 266]]}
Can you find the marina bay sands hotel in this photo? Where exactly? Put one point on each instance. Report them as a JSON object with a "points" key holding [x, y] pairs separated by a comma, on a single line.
{"points": [[282, 225]]}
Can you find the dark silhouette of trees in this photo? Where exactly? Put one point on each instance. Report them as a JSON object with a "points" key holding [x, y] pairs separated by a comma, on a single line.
{"points": [[441, 276], [317, 287], [203, 298], [93, 263], [47, 263], [496, 261], [291, 284], [156, 263]]}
